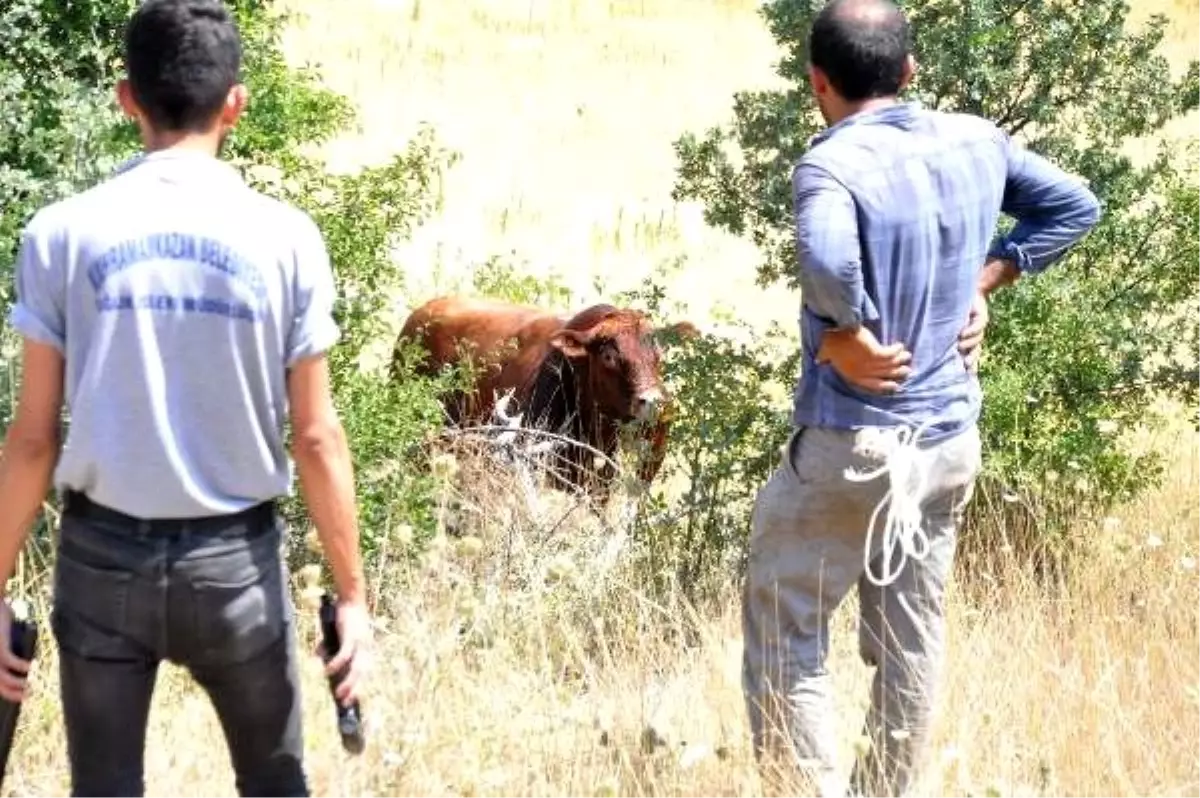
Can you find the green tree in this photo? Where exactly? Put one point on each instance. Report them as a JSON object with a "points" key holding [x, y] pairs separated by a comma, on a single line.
{"points": [[61, 132], [1083, 350]]}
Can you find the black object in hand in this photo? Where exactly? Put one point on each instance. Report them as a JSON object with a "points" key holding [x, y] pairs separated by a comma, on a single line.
{"points": [[23, 634], [349, 718]]}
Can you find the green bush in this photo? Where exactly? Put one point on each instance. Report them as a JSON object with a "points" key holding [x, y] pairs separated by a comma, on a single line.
{"points": [[60, 125], [732, 393], [732, 415], [504, 278], [1081, 350], [61, 133]]}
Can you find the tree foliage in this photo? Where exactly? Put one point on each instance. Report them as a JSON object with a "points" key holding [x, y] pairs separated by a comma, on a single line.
{"points": [[61, 132], [1084, 349]]}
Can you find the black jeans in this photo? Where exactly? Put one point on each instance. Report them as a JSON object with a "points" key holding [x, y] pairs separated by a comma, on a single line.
{"points": [[208, 594]]}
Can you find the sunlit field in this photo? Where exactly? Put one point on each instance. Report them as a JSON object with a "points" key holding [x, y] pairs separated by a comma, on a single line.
{"points": [[520, 666], [564, 114]]}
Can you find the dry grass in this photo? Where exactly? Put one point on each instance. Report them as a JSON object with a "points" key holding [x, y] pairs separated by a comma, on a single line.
{"points": [[532, 663], [565, 111]]}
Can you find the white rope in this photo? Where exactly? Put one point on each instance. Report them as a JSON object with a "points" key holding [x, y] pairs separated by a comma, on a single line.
{"points": [[902, 528], [522, 461]]}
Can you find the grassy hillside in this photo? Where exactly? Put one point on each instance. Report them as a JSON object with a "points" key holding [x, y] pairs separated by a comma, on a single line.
{"points": [[564, 112], [524, 668]]}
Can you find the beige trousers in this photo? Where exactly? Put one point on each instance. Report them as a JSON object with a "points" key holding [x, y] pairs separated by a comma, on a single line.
{"points": [[807, 545]]}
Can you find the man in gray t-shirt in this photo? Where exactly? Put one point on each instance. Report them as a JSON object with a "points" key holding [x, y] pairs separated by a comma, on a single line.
{"points": [[183, 317]]}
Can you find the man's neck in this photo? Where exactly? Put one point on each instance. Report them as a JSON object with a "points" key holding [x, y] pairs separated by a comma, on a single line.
{"points": [[186, 142], [850, 109]]}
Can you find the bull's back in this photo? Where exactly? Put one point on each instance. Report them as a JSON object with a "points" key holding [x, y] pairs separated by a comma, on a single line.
{"points": [[450, 328], [502, 342]]}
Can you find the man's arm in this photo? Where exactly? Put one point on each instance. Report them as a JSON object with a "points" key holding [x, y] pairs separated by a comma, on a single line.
{"points": [[326, 473], [319, 445], [827, 247], [1054, 211], [31, 449], [997, 273], [322, 455], [829, 257], [31, 445]]}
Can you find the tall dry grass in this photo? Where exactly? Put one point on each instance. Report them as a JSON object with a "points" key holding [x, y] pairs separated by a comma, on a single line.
{"points": [[533, 662], [527, 659]]}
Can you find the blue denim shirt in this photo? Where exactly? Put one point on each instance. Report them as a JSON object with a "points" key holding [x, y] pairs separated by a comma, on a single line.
{"points": [[896, 211]]}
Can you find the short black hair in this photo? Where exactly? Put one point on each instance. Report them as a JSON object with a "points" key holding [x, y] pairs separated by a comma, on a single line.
{"points": [[861, 46], [182, 58]]}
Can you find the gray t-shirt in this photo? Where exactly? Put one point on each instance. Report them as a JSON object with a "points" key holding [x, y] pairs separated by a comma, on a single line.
{"points": [[178, 296]]}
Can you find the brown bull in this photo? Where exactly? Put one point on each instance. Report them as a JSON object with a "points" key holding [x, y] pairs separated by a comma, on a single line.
{"points": [[580, 376]]}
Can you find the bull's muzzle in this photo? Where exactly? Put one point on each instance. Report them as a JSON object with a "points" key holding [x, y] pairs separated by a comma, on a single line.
{"points": [[648, 404]]}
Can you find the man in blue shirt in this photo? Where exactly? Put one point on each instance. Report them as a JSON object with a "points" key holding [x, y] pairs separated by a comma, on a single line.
{"points": [[183, 317], [896, 210]]}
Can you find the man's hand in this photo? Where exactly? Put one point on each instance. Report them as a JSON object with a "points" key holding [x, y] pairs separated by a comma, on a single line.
{"points": [[861, 360], [970, 340], [354, 633], [326, 474], [995, 274], [13, 687]]}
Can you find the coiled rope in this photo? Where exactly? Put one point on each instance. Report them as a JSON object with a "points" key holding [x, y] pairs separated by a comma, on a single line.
{"points": [[907, 481]]}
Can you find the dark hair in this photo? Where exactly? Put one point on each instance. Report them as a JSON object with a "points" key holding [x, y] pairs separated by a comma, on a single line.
{"points": [[861, 46], [182, 57]]}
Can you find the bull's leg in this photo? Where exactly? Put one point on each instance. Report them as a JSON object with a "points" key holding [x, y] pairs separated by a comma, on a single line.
{"points": [[603, 471], [600, 484], [578, 472], [563, 470], [652, 463], [454, 406]]}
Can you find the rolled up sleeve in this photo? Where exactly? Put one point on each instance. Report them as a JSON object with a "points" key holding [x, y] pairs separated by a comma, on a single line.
{"points": [[1053, 210], [314, 329], [829, 255], [39, 312]]}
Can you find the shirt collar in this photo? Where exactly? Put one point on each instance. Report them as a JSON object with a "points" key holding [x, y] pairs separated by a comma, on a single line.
{"points": [[177, 159], [887, 115]]}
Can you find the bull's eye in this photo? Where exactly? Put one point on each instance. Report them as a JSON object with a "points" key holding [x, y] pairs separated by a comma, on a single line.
{"points": [[608, 357]]}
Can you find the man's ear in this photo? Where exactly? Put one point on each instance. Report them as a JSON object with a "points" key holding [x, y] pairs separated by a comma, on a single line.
{"points": [[817, 80], [910, 70], [235, 105], [571, 343], [125, 99]]}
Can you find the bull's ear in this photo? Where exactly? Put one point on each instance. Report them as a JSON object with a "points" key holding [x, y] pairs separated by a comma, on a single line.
{"points": [[680, 330], [571, 343]]}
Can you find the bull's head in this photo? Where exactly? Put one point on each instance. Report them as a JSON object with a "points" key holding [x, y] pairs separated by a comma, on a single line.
{"points": [[621, 354]]}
